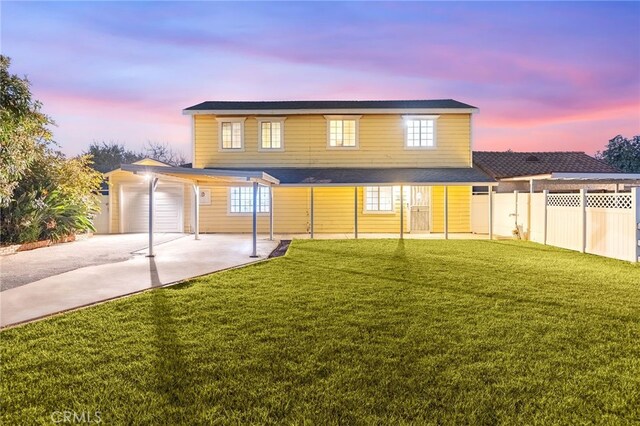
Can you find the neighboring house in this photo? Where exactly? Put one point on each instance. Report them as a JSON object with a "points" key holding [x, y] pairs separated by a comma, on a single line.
{"points": [[556, 171], [321, 166]]}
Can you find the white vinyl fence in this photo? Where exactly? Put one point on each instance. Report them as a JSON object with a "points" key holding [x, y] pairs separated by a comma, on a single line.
{"points": [[602, 224]]}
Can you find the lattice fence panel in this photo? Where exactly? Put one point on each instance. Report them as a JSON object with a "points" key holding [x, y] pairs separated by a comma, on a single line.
{"points": [[563, 200], [609, 201]]}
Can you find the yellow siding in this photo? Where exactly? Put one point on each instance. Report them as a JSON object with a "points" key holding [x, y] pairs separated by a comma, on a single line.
{"points": [[381, 144], [383, 222], [333, 210], [459, 208], [291, 213], [150, 162], [333, 213]]}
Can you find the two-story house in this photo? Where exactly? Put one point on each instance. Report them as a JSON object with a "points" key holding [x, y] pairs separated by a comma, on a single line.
{"points": [[319, 167]]}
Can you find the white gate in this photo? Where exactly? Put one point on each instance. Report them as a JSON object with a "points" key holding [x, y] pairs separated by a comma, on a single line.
{"points": [[101, 220]]}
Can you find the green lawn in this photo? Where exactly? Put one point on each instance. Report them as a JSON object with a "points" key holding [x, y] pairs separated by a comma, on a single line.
{"points": [[349, 332]]}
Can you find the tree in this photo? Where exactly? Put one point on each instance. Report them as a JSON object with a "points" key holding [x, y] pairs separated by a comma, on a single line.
{"points": [[109, 156], [622, 153], [24, 135], [43, 195], [163, 152]]}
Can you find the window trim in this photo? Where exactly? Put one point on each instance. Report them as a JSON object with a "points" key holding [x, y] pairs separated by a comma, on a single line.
{"points": [[222, 120], [356, 118], [406, 119], [271, 120], [230, 213], [365, 208]]}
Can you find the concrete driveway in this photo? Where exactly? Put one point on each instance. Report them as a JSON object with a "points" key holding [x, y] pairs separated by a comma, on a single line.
{"points": [[84, 277], [28, 266]]}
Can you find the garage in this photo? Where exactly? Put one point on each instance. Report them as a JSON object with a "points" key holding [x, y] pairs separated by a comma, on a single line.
{"points": [[168, 208]]}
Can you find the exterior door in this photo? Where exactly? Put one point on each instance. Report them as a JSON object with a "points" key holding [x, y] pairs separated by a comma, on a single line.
{"points": [[420, 209]]}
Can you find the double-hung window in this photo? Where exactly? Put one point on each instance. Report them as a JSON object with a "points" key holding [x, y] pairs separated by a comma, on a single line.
{"points": [[231, 134], [241, 199], [342, 131], [420, 131], [271, 134], [378, 199]]}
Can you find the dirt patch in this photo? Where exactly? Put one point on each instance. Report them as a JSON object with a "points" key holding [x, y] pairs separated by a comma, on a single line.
{"points": [[281, 250]]}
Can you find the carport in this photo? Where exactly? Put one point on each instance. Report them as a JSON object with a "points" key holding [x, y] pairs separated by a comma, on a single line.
{"points": [[194, 177]]}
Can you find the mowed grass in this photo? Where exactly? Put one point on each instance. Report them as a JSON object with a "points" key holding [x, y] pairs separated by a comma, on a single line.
{"points": [[349, 332]]}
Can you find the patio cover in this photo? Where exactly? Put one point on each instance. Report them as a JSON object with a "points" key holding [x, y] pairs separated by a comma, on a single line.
{"points": [[196, 176], [348, 176], [203, 175]]}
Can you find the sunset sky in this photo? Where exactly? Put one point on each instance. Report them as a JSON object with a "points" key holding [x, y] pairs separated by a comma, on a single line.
{"points": [[546, 76]]}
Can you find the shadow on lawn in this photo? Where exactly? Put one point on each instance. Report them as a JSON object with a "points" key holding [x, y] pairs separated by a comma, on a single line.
{"points": [[400, 252], [409, 275], [171, 372]]}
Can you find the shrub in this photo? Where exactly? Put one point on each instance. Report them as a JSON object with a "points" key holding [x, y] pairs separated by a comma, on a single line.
{"points": [[57, 197]]}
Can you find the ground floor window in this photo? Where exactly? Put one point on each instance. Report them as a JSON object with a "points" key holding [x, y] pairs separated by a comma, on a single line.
{"points": [[378, 199], [241, 199]]}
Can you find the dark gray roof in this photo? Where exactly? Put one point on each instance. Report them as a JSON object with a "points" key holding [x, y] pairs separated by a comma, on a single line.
{"points": [[330, 105], [345, 176], [511, 164]]}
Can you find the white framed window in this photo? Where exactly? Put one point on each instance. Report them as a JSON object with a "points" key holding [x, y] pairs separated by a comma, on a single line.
{"points": [[231, 134], [342, 131], [378, 199], [420, 131], [271, 134], [241, 199]]}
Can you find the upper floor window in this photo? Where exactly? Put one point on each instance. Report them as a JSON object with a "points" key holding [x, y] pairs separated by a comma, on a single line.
{"points": [[271, 134], [231, 133], [342, 131], [241, 199], [378, 199], [420, 131]]}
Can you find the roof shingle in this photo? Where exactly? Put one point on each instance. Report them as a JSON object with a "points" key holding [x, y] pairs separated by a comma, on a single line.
{"points": [[508, 164], [329, 105]]}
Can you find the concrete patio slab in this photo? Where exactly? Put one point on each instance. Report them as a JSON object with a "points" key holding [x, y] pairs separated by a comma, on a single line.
{"points": [[175, 260]]}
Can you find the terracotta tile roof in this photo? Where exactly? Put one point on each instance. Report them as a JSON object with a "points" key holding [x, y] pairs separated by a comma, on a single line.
{"points": [[511, 164]]}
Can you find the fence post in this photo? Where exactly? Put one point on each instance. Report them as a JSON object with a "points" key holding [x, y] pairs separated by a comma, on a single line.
{"points": [[546, 214], [583, 206], [491, 212], [635, 205]]}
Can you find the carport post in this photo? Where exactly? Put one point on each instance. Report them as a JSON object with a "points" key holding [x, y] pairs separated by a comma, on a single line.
{"points": [[271, 213], [446, 212], [196, 210], [401, 211], [355, 212], [153, 182], [311, 214], [254, 253]]}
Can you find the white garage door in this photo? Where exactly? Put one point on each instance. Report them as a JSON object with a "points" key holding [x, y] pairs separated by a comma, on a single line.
{"points": [[168, 208]]}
